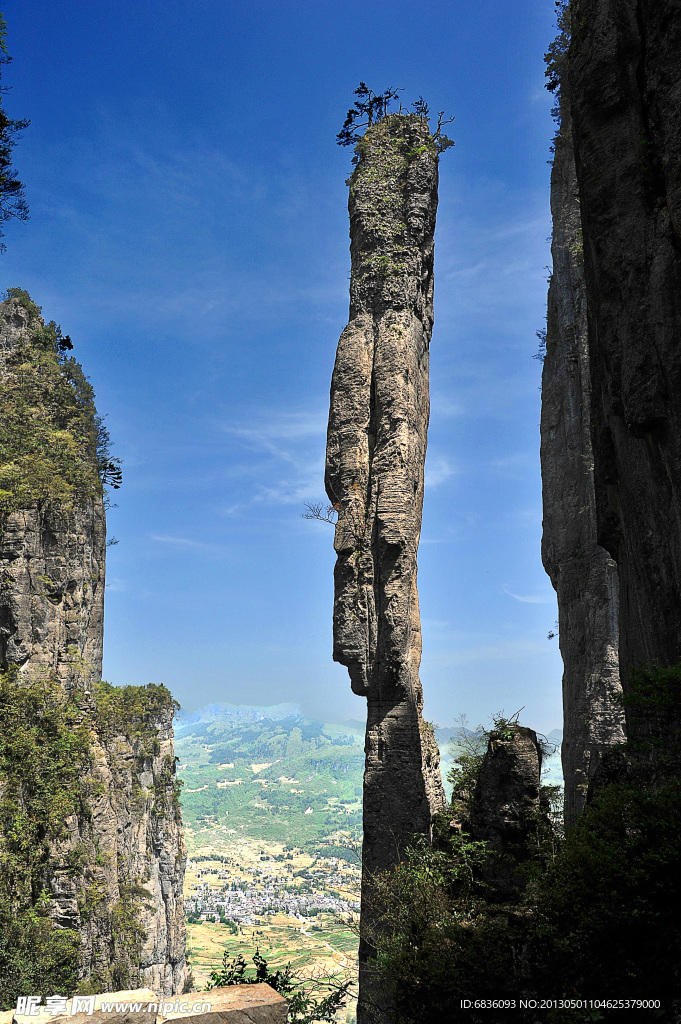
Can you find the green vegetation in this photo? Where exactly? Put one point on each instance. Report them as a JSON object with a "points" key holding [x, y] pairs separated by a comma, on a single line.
{"points": [[44, 754], [54, 448], [300, 768], [12, 199], [556, 56], [597, 919], [46, 776], [303, 1008], [371, 107]]}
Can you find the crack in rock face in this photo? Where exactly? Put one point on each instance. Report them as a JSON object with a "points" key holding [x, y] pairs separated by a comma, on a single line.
{"points": [[376, 451]]}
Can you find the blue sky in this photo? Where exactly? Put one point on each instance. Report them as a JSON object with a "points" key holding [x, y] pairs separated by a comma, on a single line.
{"points": [[189, 231]]}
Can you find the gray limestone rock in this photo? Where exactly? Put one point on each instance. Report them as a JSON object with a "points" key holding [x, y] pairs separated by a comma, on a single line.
{"points": [[625, 88], [376, 451], [583, 574]]}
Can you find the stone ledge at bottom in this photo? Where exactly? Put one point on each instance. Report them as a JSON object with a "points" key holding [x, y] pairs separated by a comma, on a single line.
{"points": [[234, 1004]]}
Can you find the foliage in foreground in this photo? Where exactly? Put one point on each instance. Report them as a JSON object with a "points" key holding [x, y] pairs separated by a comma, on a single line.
{"points": [[598, 919], [302, 1008]]}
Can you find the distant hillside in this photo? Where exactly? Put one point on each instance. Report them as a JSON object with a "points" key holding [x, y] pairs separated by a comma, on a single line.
{"points": [[271, 773]]}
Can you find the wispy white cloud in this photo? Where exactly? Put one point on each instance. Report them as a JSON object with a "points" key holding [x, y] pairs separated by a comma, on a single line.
{"points": [[438, 469], [115, 585], [514, 466], [529, 598], [190, 544]]}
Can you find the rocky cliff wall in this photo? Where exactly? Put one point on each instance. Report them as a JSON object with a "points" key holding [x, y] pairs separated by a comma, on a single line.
{"points": [[625, 95], [376, 452], [582, 573], [115, 864]]}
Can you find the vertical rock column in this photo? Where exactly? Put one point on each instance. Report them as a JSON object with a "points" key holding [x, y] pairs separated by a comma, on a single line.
{"points": [[52, 566], [583, 574], [376, 452], [625, 92]]}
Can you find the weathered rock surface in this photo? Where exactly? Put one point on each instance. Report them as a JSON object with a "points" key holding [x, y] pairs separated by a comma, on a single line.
{"points": [[625, 93], [506, 806], [132, 842], [52, 591], [376, 452], [583, 574], [52, 568], [236, 1004]]}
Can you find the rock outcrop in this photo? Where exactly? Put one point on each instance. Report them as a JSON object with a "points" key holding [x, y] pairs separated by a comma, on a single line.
{"points": [[376, 452], [507, 811], [625, 96], [115, 870], [582, 573]]}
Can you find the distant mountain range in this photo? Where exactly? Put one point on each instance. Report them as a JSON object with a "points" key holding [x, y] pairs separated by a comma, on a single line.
{"points": [[236, 714]]}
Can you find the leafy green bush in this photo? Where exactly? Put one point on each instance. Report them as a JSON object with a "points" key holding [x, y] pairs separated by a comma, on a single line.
{"points": [[302, 1008]]}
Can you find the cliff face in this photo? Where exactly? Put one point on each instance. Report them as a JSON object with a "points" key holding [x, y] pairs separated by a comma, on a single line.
{"points": [[582, 573], [126, 902], [625, 87], [376, 452], [115, 869]]}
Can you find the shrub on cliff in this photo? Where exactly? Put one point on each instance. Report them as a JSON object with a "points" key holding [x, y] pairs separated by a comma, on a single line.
{"points": [[44, 752], [54, 448]]}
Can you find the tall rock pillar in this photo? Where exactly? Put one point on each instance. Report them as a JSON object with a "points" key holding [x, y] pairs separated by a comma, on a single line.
{"points": [[625, 86], [376, 453], [582, 573]]}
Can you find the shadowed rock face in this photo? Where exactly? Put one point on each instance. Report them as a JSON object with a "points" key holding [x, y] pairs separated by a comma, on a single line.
{"points": [[583, 574], [625, 91], [376, 452], [52, 567], [506, 806]]}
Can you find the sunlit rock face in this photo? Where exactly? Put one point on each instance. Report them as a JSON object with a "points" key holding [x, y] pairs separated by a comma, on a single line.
{"points": [[625, 97], [582, 572], [129, 834], [376, 452]]}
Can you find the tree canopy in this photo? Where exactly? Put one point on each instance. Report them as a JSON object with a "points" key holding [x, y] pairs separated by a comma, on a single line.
{"points": [[371, 107]]}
